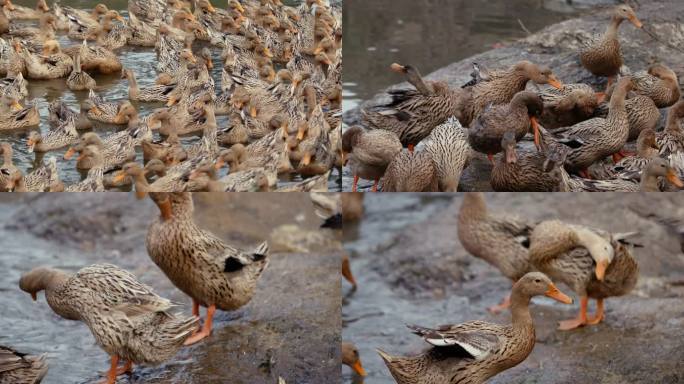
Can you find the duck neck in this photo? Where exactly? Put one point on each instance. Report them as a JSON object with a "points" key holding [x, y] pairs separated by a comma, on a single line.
{"points": [[133, 89], [617, 114], [6, 155], [52, 280], [645, 150], [19, 185], [672, 124], [473, 207], [141, 185], [520, 310], [77, 63], [613, 26]]}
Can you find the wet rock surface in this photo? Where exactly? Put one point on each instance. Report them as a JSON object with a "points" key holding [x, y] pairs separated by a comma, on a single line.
{"points": [[411, 269], [556, 46], [290, 329]]}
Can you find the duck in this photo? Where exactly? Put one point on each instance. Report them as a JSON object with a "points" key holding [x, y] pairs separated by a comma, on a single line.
{"points": [[659, 83], [128, 320], [671, 139], [448, 146], [647, 149], [213, 273], [153, 93], [4, 21], [14, 116], [58, 138], [42, 179], [500, 240], [79, 80], [413, 113], [312, 184], [35, 36], [58, 111], [18, 12], [83, 18], [102, 111], [567, 106], [594, 139], [487, 131], [7, 169], [601, 55], [21, 368], [475, 351], [368, 153], [593, 262], [94, 181], [14, 85], [645, 179], [52, 64], [138, 175], [350, 358], [245, 177], [96, 58], [114, 153], [411, 172]]}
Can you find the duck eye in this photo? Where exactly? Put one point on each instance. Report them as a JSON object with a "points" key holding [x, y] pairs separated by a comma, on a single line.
{"points": [[537, 280]]}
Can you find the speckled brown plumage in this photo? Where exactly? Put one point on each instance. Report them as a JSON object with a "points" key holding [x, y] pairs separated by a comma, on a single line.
{"points": [[659, 83], [499, 240], [369, 152], [671, 140], [473, 352], [567, 106], [200, 264], [449, 149], [411, 172], [601, 55], [21, 368]]}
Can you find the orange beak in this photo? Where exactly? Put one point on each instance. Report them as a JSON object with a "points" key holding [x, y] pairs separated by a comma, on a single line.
{"points": [[69, 153], [172, 101], [219, 163], [398, 68], [210, 64], [140, 194], [555, 294], [634, 20], [119, 177], [30, 143], [318, 50], [267, 53], [10, 6], [306, 160], [554, 82], [601, 267], [253, 111], [358, 368], [81, 157], [211, 8], [672, 178], [300, 134], [535, 128], [120, 18]]}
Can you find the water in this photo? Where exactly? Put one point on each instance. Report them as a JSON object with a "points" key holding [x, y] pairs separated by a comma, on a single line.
{"points": [[430, 34], [112, 88]]}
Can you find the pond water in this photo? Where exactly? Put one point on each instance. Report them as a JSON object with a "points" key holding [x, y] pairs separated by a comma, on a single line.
{"points": [[112, 88]]}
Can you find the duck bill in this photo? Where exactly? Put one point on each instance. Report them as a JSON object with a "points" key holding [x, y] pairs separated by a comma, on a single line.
{"points": [[634, 20], [267, 53], [535, 129], [672, 178], [601, 267], [346, 272], [10, 6], [557, 295], [172, 101], [211, 8], [119, 177], [318, 50], [300, 134], [253, 111], [31, 145], [554, 82], [120, 18], [140, 194], [219, 164], [69, 154], [210, 64], [398, 68], [358, 368]]}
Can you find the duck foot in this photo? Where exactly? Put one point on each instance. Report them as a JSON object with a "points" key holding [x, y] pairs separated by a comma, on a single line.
{"points": [[206, 329], [580, 320], [585, 174], [113, 371], [621, 155], [375, 186], [505, 304]]}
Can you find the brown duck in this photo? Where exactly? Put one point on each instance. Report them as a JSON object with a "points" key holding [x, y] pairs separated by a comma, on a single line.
{"points": [[594, 263], [488, 129], [21, 368], [567, 106], [671, 140], [213, 273], [411, 172], [659, 83], [473, 352], [350, 357], [601, 55], [369, 153]]}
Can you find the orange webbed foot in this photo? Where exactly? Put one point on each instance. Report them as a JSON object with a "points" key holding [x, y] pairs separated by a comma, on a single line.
{"points": [[566, 325]]}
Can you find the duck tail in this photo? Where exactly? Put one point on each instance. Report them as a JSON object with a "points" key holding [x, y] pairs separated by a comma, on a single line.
{"points": [[164, 337], [260, 252]]}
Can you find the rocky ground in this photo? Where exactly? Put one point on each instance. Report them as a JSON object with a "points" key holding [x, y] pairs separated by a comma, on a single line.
{"points": [[421, 274], [556, 46], [290, 329]]}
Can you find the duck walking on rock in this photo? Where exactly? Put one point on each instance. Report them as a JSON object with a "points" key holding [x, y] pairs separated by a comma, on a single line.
{"points": [[213, 273]]}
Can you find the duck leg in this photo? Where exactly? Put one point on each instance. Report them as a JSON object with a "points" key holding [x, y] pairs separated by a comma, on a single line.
{"points": [[411, 148], [195, 308], [347, 273], [611, 79], [206, 329], [375, 186], [585, 174], [356, 181], [580, 320], [113, 370], [505, 304], [599, 313], [491, 158]]}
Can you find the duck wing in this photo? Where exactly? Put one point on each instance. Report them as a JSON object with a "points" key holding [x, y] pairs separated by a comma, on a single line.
{"points": [[478, 338]]}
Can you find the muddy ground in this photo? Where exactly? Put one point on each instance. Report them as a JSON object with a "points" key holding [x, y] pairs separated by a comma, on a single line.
{"points": [[556, 46], [290, 329], [411, 268]]}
